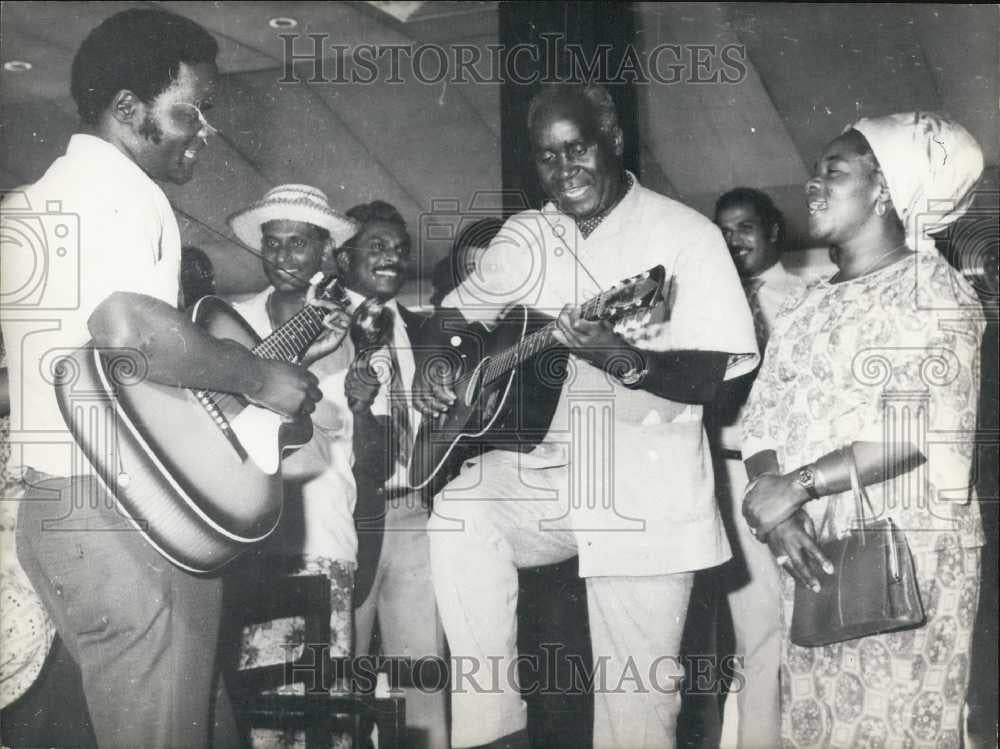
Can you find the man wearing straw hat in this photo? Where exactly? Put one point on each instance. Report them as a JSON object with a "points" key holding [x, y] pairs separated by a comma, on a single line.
{"points": [[295, 232]]}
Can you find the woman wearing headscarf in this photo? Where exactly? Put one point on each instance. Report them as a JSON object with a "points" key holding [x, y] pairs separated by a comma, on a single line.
{"points": [[879, 363]]}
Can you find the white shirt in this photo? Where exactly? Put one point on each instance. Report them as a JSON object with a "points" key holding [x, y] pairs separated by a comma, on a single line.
{"points": [[644, 462], [94, 224]]}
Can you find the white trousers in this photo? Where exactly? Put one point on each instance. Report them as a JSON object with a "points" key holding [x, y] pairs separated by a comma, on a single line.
{"points": [[487, 526]]}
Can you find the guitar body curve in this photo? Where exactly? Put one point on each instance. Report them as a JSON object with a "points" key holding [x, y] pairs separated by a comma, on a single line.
{"points": [[476, 410], [186, 484], [483, 390]]}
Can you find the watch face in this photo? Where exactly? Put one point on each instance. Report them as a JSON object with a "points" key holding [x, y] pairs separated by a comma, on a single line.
{"points": [[633, 377], [807, 480]]}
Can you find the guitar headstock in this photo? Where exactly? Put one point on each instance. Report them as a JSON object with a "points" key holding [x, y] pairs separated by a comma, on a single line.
{"points": [[631, 299], [369, 323], [329, 288]]}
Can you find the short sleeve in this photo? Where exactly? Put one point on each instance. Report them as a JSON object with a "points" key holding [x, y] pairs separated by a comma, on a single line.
{"points": [[710, 310]]}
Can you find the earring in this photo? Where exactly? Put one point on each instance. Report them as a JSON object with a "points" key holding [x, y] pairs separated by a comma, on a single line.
{"points": [[880, 208]]}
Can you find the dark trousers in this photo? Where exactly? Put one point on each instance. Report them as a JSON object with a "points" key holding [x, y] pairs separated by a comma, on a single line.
{"points": [[143, 632]]}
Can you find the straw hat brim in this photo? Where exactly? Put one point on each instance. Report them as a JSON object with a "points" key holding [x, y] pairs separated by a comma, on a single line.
{"points": [[246, 224]]}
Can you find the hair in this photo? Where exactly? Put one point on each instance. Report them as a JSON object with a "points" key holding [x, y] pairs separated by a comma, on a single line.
{"points": [[478, 234], [139, 50], [595, 98], [449, 271], [197, 275], [377, 210], [765, 208]]}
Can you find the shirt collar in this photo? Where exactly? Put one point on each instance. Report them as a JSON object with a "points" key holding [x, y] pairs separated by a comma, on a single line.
{"points": [[588, 225], [357, 299], [771, 275], [82, 145]]}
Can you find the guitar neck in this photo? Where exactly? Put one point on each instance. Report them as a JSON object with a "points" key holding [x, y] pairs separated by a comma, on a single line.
{"points": [[290, 341], [535, 343]]}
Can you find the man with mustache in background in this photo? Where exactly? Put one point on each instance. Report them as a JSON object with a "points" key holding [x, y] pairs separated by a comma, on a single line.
{"points": [[393, 580], [753, 228]]}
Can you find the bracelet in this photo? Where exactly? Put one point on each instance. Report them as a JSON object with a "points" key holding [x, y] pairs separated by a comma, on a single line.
{"points": [[805, 477], [633, 378], [820, 485]]}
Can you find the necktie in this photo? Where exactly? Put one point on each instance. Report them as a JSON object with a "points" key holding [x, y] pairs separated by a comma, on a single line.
{"points": [[399, 407], [752, 288]]}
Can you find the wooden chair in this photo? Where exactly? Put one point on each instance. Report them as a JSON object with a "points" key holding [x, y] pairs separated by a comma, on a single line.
{"points": [[249, 600]]}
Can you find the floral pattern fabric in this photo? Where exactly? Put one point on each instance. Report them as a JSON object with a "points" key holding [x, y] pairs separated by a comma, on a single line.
{"points": [[900, 689], [26, 632], [281, 640], [892, 356]]}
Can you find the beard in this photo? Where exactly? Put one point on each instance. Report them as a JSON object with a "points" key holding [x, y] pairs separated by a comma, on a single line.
{"points": [[151, 131]]}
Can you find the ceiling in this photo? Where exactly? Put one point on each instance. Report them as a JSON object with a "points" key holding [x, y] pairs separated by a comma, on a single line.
{"points": [[431, 147]]}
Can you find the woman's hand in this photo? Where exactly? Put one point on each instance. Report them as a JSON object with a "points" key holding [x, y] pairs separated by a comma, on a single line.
{"points": [[793, 543], [770, 499]]}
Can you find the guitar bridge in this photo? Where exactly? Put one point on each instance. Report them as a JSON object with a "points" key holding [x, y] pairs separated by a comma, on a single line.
{"points": [[209, 404]]}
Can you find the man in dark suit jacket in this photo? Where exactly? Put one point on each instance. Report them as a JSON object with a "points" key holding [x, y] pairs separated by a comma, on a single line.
{"points": [[393, 578]]}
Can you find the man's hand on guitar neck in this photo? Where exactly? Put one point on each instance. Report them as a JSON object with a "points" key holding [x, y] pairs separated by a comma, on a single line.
{"points": [[336, 323], [684, 376], [596, 342]]}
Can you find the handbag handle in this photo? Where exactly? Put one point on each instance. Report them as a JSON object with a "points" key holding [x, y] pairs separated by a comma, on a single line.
{"points": [[857, 489], [860, 495], [861, 498]]}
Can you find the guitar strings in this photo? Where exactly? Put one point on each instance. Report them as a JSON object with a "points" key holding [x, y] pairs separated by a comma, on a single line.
{"points": [[536, 341]]}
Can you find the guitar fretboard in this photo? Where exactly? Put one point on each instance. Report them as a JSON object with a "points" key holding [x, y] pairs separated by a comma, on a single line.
{"points": [[291, 340], [535, 343], [287, 343]]}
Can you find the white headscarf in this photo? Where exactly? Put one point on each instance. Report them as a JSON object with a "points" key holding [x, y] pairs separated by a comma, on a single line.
{"points": [[930, 163]]}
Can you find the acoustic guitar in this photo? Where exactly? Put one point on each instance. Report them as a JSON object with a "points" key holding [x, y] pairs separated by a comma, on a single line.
{"points": [[483, 388], [197, 472]]}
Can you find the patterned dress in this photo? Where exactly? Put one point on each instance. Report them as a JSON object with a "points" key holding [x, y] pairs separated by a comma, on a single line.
{"points": [[26, 632], [892, 356]]}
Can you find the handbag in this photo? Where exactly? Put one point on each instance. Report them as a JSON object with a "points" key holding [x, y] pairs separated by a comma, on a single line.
{"points": [[874, 585]]}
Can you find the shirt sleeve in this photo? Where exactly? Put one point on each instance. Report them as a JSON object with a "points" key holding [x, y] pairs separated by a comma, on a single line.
{"points": [[709, 310], [125, 252]]}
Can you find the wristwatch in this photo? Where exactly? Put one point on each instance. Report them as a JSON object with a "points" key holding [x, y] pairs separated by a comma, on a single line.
{"points": [[633, 378], [806, 478]]}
